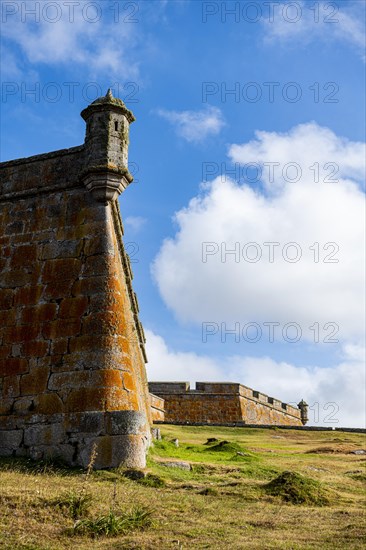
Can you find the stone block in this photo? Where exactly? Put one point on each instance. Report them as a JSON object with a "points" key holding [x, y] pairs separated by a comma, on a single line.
{"points": [[14, 228], [88, 342], [87, 399], [113, 451], [5, 351], [10, 423], [73, 307], [99, 244], [10, 439], [106, 323], [61, 249], [49, 403], [86, 422], [35, 382], [62, 328], [6, 299], [177, 464], [13, 366], [21, 333], [97, 265], [52, 434], [85, 379], [35, 348], [65, 453], [57, 289], [125, 422], [41, 313], [28, 295], [89, 286], [6, 405], [59, 346], [11, 386], [23, 405], [15, 278], [23, 256], [62, 269]]}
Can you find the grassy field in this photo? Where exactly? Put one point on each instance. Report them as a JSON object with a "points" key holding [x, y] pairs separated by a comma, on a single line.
{"points": [[222, 502]]}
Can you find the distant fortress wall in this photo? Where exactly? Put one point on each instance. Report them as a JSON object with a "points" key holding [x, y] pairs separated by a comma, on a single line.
{"points": [[221, 403], [157, 408]]}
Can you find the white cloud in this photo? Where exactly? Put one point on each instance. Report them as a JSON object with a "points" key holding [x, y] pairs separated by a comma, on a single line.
{"points": [[195, 126], [135, 223], [103, 46], [231, 215], [326, 21], [166, 364], [305, 144], [337, 391]]}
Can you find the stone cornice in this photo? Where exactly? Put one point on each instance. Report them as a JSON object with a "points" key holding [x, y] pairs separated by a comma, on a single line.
{"points": [[42, 157]]}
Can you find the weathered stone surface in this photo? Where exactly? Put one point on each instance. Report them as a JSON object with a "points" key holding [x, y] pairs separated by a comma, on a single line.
{"points": [[86, 422], [49, 403], [219, 403], [35, 382], [177, 464], [66, 303], [13, 366], [39, 435], [73, 307], [28, 296], [10, 439], [63, 249], [6, 299], [125, 422], [64, 269], [157, 408], [116, 450], [11, 386], [156, 434]]}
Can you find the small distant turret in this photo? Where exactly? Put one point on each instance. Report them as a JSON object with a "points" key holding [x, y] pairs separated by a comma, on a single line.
{"points": [[303, 406]]}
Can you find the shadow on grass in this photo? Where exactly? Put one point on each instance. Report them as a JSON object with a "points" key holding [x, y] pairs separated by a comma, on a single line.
{"points": [[29, 466]]}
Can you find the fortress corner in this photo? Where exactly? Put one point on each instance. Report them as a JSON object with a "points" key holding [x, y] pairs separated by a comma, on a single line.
{"points": [[72, 356]]}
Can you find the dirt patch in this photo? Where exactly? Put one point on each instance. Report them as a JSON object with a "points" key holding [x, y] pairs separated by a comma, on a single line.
{"points": [[341, 449]]}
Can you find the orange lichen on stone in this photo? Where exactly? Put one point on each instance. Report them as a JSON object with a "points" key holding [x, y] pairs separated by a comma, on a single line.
{"points": [[13, 366], [35, 382], [73, 307], [49, 403]]}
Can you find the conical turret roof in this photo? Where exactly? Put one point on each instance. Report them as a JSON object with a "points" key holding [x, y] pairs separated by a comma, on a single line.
{"points": [[108, 102]]}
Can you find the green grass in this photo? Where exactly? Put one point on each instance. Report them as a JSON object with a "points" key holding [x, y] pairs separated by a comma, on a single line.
{"points": [[298, 489], [236, 495], [114, 524], [76, 504]]}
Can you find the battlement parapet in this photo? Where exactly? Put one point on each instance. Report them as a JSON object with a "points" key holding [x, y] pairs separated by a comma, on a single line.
{"points": [[228, 401]]}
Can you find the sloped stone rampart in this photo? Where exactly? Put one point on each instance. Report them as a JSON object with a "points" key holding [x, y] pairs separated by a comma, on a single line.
{"points": [[72, 357]]}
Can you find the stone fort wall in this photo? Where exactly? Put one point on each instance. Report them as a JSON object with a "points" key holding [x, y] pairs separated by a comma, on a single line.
{"points": [[222, 403], [72, 358]]}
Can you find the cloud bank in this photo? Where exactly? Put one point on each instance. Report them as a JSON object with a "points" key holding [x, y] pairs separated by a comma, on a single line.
{"points": [[221, 256], [94, 36]]}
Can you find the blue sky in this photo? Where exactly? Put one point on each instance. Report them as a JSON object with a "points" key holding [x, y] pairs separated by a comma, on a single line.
{"points": [[250, 129]]}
